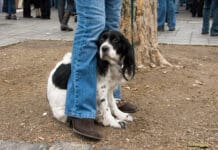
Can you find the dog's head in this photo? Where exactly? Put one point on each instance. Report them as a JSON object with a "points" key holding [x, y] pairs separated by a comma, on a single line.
{"points": [[114, 48]]}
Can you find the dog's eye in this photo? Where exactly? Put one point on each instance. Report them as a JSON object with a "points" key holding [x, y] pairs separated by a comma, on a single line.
{"points": [[115, 40], [101, 40]]}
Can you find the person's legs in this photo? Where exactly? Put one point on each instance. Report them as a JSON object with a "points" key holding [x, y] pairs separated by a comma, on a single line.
{"points": [[113, 13], [171, 16], [177, 3], [5, 9], [81, 88], [26, 9], [61, 8], [206, 16], [113, 10], [214, 28], [9, 7], [81, 91], [161, 11], [66, 17]]}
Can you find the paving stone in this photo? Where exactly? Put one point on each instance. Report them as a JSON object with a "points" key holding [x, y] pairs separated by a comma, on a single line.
{"points": [[10, 145], [70, 146]]}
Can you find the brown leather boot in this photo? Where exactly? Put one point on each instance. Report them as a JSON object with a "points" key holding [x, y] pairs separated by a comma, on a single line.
{"points": [[126, 107], [85, 127]]}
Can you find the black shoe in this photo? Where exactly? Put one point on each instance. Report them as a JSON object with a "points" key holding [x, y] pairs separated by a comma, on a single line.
{"points": [[8, 17], [66, 28], [160, 28], [45, 17], [172, 29], [214, 34], [85, 127], [14, 17], [28, 16], [204, 32]]}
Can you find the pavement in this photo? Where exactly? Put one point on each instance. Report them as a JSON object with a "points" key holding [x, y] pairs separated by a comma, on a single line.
{"points": [[15, 31], [188, 32]]}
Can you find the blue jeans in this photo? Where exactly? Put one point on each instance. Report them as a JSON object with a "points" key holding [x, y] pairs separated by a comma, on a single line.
{"points": [[206, 16], [93, 17], [177, 3], [9, 7], [166, 12]]}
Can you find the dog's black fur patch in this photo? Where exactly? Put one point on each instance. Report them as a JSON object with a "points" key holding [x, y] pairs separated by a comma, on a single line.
{"points": [[61, 76], [102, 100]]}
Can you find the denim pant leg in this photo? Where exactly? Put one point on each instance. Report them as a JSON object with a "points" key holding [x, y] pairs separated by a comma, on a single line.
{"points": [[206, 15], [81, 89], [214, 27], [171, 16], [177, 3], [113, 12], [9, 7], [161, 12]]}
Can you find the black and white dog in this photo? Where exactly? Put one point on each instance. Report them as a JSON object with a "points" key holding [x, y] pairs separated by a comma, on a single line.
{"points": [[115, 61]]}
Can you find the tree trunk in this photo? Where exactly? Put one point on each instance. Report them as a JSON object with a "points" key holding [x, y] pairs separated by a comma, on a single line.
{"points": [[145, 32]]}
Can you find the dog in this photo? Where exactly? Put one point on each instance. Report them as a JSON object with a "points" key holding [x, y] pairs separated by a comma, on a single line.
{"points": [[115, 63]]}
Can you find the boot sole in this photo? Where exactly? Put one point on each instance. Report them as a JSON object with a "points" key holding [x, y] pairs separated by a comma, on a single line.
{"points": [[86, 135]]}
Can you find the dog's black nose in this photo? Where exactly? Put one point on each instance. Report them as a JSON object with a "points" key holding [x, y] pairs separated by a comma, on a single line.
{"points": [[105, 48]]}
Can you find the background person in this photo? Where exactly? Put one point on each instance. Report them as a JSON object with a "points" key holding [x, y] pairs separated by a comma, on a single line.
{"points": [[64, 14], [9, 7], [45, 6], [166, 13], [206, 18]]}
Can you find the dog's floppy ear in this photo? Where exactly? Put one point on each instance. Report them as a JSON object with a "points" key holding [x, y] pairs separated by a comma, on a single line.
{"points": [[129, 60], [98, 43]]}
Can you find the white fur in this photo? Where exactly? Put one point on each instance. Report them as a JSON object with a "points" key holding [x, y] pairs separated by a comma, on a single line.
{"points": [[55, 95]]}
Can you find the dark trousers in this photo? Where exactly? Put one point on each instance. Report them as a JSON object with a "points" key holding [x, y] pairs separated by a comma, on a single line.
{"points": [[9, 7], [61, 8], [197, 8], [45, 6], [27, 6]]}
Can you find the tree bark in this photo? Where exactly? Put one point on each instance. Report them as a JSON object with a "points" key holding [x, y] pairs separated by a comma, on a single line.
{"points": [[145, 32]]}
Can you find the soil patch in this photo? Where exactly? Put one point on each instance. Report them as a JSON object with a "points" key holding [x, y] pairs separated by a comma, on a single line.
{"points": [[178, 107]]}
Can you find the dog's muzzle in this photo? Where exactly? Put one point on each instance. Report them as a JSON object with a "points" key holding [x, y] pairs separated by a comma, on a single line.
{"points": [[104, 51]]}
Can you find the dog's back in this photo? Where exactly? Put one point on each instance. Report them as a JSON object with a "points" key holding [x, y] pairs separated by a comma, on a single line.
{"points": [[56, 88]]}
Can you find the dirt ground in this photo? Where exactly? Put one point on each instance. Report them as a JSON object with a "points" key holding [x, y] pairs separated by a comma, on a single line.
{"points": [[178, 107]]}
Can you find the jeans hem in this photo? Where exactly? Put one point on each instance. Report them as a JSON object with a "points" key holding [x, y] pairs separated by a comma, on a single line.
{"points": [[76, 115]]}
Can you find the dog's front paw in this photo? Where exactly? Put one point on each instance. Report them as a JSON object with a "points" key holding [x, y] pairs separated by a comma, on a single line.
{"points": [[123, 124], [119, 124], [128, 118], [124, 117]]}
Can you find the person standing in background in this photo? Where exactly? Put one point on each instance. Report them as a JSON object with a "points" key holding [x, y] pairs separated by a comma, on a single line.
{"points": [[45, 6], [9, 7], [206, 18], [166, 13], [27, 8], [64, 14], [37, 8]]}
